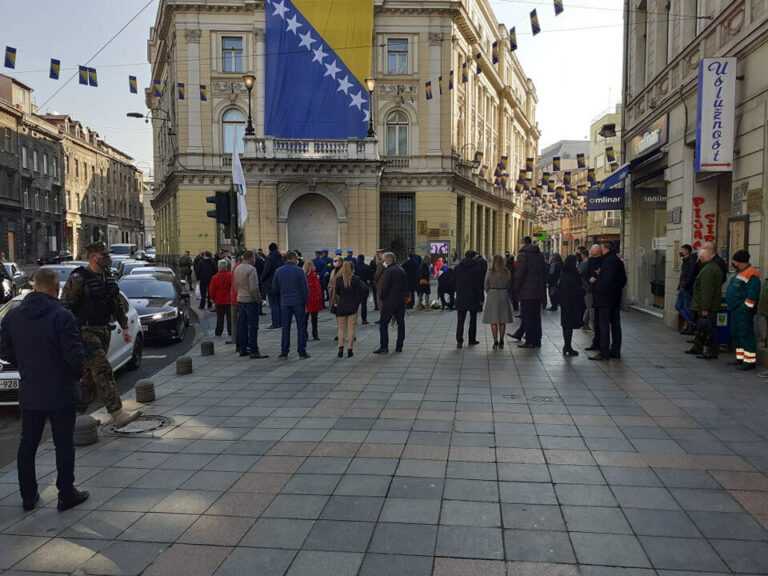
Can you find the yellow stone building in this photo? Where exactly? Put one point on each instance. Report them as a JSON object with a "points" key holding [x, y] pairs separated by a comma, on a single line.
{"points": [[426, 181]]}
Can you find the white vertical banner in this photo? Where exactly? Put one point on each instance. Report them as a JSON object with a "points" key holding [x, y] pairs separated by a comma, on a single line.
{"points": [[238, 180], [716, 115]]}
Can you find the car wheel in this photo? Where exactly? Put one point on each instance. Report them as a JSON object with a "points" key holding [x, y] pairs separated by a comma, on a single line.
{"points": [[138, 352]]}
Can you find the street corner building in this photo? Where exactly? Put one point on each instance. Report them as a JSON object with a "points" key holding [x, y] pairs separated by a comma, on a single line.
{"points": [[694, 138], [340, 142]]}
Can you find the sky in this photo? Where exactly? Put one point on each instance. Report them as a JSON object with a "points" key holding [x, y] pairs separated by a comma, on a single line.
{"points": [[575, 62]]}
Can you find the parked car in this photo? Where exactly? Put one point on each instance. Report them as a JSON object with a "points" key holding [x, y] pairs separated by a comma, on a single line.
{"points": [[20, 280], [152, 270], [162, 305], [144, 255], [124, 267], [55, 258], [120, 353], [120, 252]]}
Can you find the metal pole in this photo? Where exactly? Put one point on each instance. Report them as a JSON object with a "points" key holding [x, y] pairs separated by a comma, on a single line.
{"points": [[249, 129], [371, 131]]}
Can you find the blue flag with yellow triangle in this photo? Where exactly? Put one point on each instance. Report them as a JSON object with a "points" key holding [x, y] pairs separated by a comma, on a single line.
{"points": [[82, 72], [133, 85], [10, 57], [53, 74], [319, 55]]}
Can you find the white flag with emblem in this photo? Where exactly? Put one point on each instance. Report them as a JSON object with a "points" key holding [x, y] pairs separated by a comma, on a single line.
{"points": [[238, 180]]}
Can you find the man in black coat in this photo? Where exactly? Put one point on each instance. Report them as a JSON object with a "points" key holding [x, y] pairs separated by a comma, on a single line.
{"points": [[42, 329], [206, 269], [607, 290], [411, 268], [530, 286], [592, 267], [470, 294], [393, 291], [274, 261]]}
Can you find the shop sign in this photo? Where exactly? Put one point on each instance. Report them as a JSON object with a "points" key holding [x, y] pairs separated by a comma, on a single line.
{"points": [[654, 197], [651, 138], [610, 199], [715, 115], [442, 248], [704, 221]]}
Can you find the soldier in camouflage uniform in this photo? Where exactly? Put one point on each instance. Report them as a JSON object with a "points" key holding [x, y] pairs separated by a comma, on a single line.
{"points": [[93, 297]]}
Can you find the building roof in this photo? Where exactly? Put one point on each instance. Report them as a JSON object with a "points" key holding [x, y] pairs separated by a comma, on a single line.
{"points": [[565, 149]]}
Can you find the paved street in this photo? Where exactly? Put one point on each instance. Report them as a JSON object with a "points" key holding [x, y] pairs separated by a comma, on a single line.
{"points": [[434, 461]]}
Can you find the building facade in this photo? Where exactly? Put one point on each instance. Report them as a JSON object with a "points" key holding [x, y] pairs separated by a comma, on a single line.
{"points": [[605, 156], [425, 183], [148, 186], [669, 202]]}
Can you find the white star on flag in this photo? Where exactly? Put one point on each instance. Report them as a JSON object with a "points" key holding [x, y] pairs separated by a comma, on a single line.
{"points": [[358, 100], [344, 85], [307, 40], [280, 9], [331, 70], [293, 25], [319, 55], [366, 116]]}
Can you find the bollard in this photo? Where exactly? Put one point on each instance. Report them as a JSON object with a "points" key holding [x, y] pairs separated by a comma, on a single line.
{"points": [[184, 366], [145, 391], [86, 431], [206, 348]]}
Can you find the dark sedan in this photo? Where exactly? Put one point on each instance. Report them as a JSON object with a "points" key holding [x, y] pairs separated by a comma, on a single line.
{"points": [[162, 306]]}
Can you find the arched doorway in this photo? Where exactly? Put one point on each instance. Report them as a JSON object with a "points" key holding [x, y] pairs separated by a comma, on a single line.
{"points": [[312, 225]]}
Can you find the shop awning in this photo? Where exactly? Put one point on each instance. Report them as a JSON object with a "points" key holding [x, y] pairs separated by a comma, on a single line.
{"points": [[610, 194], [616, 178]]}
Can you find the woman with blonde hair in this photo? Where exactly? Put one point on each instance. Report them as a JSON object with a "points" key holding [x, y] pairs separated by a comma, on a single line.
{"points": [[498, 310], [347, 291]]}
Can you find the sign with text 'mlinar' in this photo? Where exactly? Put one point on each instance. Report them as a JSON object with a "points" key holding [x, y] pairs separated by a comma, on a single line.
{"points": [[715, 115]]}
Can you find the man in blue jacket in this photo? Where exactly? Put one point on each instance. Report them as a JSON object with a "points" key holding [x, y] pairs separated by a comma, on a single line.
{"points": [[42, 340], [291, 283]]}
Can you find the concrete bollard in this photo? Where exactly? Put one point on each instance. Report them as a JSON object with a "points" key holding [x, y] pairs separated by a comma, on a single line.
{"points": [[145, 391], [184, 366], [86, 430], [206, 348]]}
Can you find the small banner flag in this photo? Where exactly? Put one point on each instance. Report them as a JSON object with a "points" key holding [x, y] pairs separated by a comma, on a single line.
{"points": [[610, 155], [567, 179], [591, 176], [512, 39], [82, 73], [556, 164], [544, 178], [180, 91], [535, 27], [529, 164], [522, 176], [464, 74], [92, 79], [450, 81], [133, 85], [479, 59], [53, 74], [203, 93], [551, 184], [581, 160], [559, 7], [428, 89], [440, 84], [495, 52], [157, 90], [10, 57]]}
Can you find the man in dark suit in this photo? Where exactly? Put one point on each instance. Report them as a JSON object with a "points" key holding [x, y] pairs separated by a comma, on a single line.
{"points": [[41, 328], [393, 292], [530, 286], [607, 289], [470, 293]]}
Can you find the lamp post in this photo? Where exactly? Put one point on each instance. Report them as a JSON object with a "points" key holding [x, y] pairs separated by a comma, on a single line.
{"points": [[249, 80], [370, 83]]}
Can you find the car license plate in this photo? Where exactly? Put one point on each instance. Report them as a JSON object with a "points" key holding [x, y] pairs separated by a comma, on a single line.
{"points": [[9, 384]]}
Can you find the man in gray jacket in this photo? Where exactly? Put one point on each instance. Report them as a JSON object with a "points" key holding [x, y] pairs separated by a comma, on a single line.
{"points": [[246, 283]]}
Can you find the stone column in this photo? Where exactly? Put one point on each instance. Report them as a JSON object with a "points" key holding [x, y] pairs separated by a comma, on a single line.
{"points": [[194, 122], [434, 105], [260, 63]]}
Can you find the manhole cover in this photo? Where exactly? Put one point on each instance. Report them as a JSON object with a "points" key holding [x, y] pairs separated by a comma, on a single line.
{"points": [[142, 425]]}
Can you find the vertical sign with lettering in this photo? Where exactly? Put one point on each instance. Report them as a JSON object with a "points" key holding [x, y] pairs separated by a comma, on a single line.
{"points": [[704, 220], [715, 115]]}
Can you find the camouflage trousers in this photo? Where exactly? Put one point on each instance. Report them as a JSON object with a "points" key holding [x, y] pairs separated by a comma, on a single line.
{"points": [[98, 379]]}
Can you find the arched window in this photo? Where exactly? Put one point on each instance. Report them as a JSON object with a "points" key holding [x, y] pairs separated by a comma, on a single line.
{"points": [[232, 130], [397, 134]]}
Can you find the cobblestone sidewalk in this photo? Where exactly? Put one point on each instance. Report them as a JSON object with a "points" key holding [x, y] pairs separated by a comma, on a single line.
{"points": [[430, 462]]}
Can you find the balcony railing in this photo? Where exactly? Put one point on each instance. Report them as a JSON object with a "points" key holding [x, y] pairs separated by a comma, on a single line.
{"points": [[286, 149]]}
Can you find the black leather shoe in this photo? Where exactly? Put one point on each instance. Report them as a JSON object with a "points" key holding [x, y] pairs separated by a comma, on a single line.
{"points": [[399, 349], [29, 505], [304, 355], [515, 337], [707, 356], [76, 498], [527, 345], [283, 356], [474, 342], [746, 367], [592, 349], [616, 355], [694, 351], [381, 351], [599, 358], [258, 356], [459, 345], [736, 363]]}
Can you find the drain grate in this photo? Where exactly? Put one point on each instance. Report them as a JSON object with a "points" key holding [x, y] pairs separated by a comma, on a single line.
{"points": [[142, 425]]}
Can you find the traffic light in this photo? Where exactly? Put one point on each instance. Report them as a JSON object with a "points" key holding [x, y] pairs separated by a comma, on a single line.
{"points": [[222, 212]]}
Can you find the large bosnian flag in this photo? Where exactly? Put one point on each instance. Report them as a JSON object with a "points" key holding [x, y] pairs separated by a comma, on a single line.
{"points": [[318, 57]]}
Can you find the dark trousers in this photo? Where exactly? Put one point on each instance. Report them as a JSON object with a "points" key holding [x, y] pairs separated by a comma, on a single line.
{"points": [[287, 314], [311, 319], [364, 309], [706, 338], [530, 310], [610, 330], [472, 325], [274, 309], [568, 338], [411, 299], [248, 327], [63, 429], [451, 300], [596, 328], [386, 318], [223, 313], [204, 300]]}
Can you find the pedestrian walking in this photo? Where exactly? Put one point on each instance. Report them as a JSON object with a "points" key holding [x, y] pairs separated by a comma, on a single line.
{"points": [[594, 262], [469, 296], [273, 262], [220, 292], [424, 286], [510, 261], [336, 264], [290, 282], [498, 309], [685, 288], [185, 270], [206, 269], [530, 286], [446, 287], [553, 281], [364, 273], [92, 295], [705, 303], [41, 328], [349, 291], [742, 296], [314, 299], [393, 292], [572, 302], [607, 290], [411, 267], [246, 282]]}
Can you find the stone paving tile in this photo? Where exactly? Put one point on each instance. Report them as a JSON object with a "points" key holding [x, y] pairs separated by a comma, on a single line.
{"points": [[277, 533], [609, 549], [61, 555], [395, 565], [354, 508], [682, 554], [470, 542], [315, 563], [406, 539], [532, 546], [14, 548], [532, 517], [123, 559], [410, 511], [338, 536], [188, 560], [217, 530]]}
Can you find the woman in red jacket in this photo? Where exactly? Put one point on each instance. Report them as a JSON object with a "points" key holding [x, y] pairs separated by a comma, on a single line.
{"points": [[315, 297], [219, 291]]}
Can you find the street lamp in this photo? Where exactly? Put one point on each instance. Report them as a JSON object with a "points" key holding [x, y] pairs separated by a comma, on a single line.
{"points": [[370, 83], [249, 80]]}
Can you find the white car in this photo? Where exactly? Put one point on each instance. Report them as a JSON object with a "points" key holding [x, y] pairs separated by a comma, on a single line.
{"points": [[151, 270], [120, 353]]}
